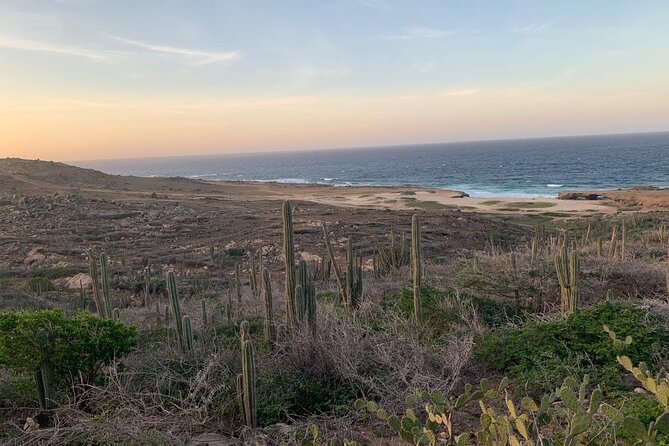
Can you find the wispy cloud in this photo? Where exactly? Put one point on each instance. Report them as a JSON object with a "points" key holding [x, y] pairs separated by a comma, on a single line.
{"points": [[50, 47], [529, 28], [419, 32], [199, 57], [459, 93]]}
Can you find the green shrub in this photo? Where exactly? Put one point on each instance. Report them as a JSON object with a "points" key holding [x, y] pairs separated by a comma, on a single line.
{"points": [[539, 356], [644, 407], [440, 317], [78, 346], [36, 284], [227, 334], [235, 252], [281, 395]]}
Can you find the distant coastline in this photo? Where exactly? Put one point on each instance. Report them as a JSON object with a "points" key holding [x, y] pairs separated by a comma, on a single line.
{"points": [[530, 168]]}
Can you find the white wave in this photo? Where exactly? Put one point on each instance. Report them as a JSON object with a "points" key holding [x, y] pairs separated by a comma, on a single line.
{"points": [[284, 181], [204, 175], [554, 185]]}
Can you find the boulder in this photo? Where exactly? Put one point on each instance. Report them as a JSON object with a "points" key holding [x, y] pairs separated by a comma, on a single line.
{"points": [[580, 196]]}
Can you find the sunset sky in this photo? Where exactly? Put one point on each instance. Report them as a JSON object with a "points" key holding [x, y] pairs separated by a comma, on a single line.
{"points": [[92, 79]]}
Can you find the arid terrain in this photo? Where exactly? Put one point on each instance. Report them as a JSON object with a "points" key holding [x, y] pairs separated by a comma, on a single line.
{"points": [[489, 270]]}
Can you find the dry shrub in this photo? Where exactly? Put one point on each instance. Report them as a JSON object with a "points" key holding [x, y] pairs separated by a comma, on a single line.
{"points": [[381, 363]]}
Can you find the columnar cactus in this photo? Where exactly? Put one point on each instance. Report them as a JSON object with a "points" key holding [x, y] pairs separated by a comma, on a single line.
{"points": [[228, 308], [176, 307], [44, 373], [353, 294], [416, 268], [270, 328], [188, 333], [289, 253], [238, 282], [534, 250], [614, 242], [416, 252], [600, 246], [247, 383], [387, 259], [95, 282], [204, 313], [567, 269], [253, 278], [417, 306], [307, 297], [350, 275], [338, 274], [623, 242], [104, 261], [667, 277]]}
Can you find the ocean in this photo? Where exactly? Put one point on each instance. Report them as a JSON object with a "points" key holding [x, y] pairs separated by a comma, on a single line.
{"points": [[510, 168]]}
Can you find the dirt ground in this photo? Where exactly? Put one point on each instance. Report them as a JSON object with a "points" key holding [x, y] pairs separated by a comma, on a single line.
{"points": [[52, 213]]}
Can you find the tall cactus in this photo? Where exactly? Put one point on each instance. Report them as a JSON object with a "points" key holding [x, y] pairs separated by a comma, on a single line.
{"points": [[188, 333], [238, 282], [95, 283], [416, 268], [176, 307], [350, 276], [44, 373], [104, 276], [667, 277], [353, 295], [228, 308], [253, 278], [567, 269], [270, 328], [289, 253], [623, 242], [247, 383], [600, 246], [613, 243], [204, 312], [338, 274], [307, 297]]}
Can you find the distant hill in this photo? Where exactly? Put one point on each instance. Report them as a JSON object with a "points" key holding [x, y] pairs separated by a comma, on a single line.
{"points": [[21, 175]]}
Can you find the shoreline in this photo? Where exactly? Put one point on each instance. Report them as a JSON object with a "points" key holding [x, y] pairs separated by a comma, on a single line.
{"points": [[31, 177], [406, 197]]}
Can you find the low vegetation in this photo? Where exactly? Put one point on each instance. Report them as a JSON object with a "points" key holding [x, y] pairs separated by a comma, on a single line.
{"points": [[559, 339]]}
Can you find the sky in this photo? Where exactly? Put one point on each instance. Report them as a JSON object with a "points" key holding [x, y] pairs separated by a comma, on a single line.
{"points": [[97, 79]]}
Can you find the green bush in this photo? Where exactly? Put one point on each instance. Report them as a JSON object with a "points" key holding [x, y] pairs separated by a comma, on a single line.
{"points": [[539, 356], [76, 347], [281, 395], [36, 284], [235, 252], [227, 334], [439, 317]]}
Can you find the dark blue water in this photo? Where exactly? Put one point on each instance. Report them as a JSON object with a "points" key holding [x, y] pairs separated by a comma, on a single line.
{"points": [[521, 168]]}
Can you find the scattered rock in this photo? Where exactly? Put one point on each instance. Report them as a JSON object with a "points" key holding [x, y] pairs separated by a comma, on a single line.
{"points": [[459, 194], [580, 196], [75, 281], [31, 425]]}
